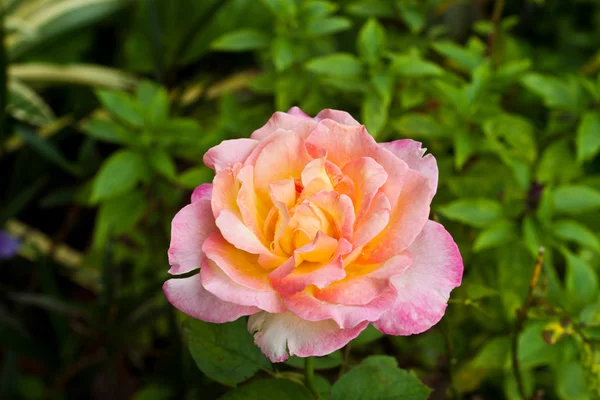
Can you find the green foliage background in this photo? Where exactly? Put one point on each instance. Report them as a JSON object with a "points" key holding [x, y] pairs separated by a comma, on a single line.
{"points": [[112, 103]]}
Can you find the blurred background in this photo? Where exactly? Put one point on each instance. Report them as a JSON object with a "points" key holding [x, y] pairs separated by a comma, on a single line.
{"points": [[110, 105]]}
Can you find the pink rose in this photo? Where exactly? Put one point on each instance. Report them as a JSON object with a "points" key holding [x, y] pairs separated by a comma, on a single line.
{"points": [[314, 230]]}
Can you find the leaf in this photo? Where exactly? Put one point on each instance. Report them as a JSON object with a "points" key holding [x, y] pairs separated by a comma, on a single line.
{"points": [[163, 163], [574, 231], [52, 19], [327, 26], [282, 52], [262, 389], [588, 136], [26, 105], [554, 92], [575, 199], [463, 57], [419, 126], [336, 64], [326, 362], [155, 102], [123, 106], [74, 74], [225, 352], [241, 40], [118, 174], [118, 214], [378, 377], [108, 131], [464, 146], [581, 282], [193, 177], [371, 42], [570, 381], [412, 65], [283, 9], [414, 17], [374, 112], [47, 150], [557, 164], [477, 212], [499, 233], [513, 135]]}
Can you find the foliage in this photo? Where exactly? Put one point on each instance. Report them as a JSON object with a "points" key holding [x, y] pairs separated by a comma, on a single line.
{"points": [[112, 103]]}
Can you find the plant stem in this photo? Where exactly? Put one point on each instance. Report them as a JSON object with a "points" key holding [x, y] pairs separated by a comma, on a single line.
{"points": [[309, 375], [521, 319], [494, 36], [4, 120]]}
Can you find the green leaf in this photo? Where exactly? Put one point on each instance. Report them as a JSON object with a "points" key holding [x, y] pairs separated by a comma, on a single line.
{"points": [[374, 112], [531, 235], [241, 40], [327, 26], [118, 174], [163, 163], [570, 381], [463, 57], [575, 199], [378, 377], [193, 177], [478, 212], [118, 214], [499, 233], [108, 131], [554, 92], [336, 64], [155, 102], [413, 66], [513, 135], [574, 231], [262, 389], [371, 41], [224, 352], [588, 136], [326, 362], [414, 17], [419, 126], [282, 9], [282, 52], [464, 146], [581, 282], [122, 105], [557, 164]]}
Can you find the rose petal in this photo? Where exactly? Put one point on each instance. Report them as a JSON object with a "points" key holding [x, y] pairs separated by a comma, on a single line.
{"points": [[218, 283], [411, 152], [190, 227], [224, 193], [424, 289], [340, 210], [280, 120], [338, 116], [202, 192], [368, 177], [274, 333], [374, 222], [188, 296], [252, 209], [298, 112], [228, 153], [240, 266], [406, 222]]}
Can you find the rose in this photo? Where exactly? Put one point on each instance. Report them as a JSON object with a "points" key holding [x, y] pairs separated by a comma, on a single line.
{"points": [[314, 230]]}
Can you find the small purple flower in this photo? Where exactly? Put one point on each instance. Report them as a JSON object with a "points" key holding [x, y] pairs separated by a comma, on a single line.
{"points": [[8, 246]]}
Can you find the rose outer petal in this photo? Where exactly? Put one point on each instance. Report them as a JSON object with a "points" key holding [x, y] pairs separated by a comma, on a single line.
{"points": [[424, 289], [228, 153], [188, 296], [273, 333]]}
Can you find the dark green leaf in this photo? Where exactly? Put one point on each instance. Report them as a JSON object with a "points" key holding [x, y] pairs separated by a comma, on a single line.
{"points": [[48, 150], [225, 352], [108, 131], [581, 282], [283, 9], [369, 335], [374, 112], [326, 362], [463, 57], [572, 230], [117, 215], [379, 378], [412, 65], [327, 26], [163, 163], [282, 52], [497, 234], [554, 92], [262, 389], [193, 177], [419, 126]]}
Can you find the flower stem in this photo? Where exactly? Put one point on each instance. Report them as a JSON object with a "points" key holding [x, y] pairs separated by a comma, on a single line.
{"points": [[309, 375]]}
